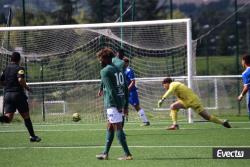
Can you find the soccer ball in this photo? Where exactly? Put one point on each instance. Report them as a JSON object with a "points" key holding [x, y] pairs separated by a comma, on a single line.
{"points": [[76, 117]]}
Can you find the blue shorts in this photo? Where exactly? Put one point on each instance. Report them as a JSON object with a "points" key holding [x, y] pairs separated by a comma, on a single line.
{"points": [[133, 98]]}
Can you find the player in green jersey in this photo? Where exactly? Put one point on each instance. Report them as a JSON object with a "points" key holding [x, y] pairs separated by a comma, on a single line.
{"points": [[120, 64], [114, 101]]}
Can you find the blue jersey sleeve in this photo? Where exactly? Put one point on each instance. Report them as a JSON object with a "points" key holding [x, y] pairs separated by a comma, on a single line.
{"points": [[246, 79], [129, 77], [130, 74], [246, 76]]}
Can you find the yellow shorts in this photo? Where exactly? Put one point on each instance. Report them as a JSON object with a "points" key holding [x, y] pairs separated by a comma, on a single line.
{"points": [[196, 105]]}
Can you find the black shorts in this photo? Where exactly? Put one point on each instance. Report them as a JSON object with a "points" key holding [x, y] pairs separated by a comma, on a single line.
{"points": [[15, 101]]}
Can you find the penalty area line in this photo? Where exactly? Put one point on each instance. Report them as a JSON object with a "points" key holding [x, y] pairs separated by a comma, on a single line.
{"points": [[99, 147]]}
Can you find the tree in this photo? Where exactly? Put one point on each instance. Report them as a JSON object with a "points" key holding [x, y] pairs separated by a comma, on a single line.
{"points": [[65, 11], [32, 19], [2, 19], [81, 17], [103, 10], [109, 10], [177, 14], [150, 10]]}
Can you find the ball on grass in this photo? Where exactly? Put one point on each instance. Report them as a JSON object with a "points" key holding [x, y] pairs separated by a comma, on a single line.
{"points": [[76, 117]]}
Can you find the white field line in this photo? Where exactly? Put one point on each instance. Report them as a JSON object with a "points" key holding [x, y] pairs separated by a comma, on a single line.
{"points": [[103, 129], [129, 123], [95, 147]]}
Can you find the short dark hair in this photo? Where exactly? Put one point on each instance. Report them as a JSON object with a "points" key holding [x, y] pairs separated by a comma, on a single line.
{"points": [[121, 53], [126, 60], [167, 80], [105, 53], [15, 57], [246, 59]]}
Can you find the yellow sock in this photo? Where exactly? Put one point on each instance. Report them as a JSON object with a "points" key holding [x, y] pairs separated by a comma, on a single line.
{"points": [[214, 119], [173, 115]]}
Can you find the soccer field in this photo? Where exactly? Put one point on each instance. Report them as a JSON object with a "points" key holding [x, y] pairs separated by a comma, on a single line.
{"points": [[77, 144]]}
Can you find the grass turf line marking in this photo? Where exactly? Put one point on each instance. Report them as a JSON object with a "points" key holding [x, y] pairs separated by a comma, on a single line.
{"points": [[98, 147], [104, 123], [139, 129]]}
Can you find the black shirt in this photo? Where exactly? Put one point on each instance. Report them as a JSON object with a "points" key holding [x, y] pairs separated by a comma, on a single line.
{"points": [[10, 77]]}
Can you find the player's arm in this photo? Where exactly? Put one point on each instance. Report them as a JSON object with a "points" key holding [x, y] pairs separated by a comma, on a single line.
{"points": [[246, 82], [132, 83], [131, 77], [100, 91], [166, 95], [168, 92], [21, 80], [23, 83], [128, 89], [243, 92]]}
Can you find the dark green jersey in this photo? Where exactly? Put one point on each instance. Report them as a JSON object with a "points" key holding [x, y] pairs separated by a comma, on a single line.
{"points": [[113, 86], [121, 66]]}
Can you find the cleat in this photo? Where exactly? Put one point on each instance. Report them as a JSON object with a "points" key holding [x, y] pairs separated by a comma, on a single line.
{"points": [[129, 157], [226, 124], [102, 156], [35, 139], [173, 127], [145, 124]]}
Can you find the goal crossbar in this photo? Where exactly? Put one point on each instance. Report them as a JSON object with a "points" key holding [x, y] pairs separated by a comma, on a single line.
{"points": [[99, 25]]}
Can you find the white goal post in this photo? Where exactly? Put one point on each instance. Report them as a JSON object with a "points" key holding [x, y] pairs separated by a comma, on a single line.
{"points": [[61, 64]]}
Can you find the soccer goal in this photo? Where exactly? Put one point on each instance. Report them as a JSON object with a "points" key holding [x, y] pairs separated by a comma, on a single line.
{"points": [[61, 65], [57, 107]]}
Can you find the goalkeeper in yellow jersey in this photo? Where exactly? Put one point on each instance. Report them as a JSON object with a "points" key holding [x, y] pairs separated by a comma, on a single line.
{"points": [[186, 98]]}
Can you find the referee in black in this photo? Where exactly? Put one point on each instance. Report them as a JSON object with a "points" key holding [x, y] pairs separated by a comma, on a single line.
{"points": [[15, 85]]}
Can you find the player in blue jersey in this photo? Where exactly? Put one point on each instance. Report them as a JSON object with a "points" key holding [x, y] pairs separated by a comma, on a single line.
{"points": [[133, 95], [246, 80]]}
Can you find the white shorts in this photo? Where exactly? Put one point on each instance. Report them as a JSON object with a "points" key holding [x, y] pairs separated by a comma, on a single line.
{"points": [[113, 115]]}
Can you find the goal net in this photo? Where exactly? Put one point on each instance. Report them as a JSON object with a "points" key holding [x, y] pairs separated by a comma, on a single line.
{"points": [[61, 64]]}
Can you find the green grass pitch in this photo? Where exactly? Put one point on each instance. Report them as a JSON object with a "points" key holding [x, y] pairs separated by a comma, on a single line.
{"points": [[77, 144]]}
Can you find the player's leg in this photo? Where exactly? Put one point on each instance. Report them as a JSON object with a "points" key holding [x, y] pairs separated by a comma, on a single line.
{"points": [[109, 140], [201, 111], [124, 116], [23, 108], [122, 140], [9, 108], [134, 101], [115, 124], [173, 114], [29, 126], [7, 117], [210, 118], [115, 118], [142, 115], [248, 106]]}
